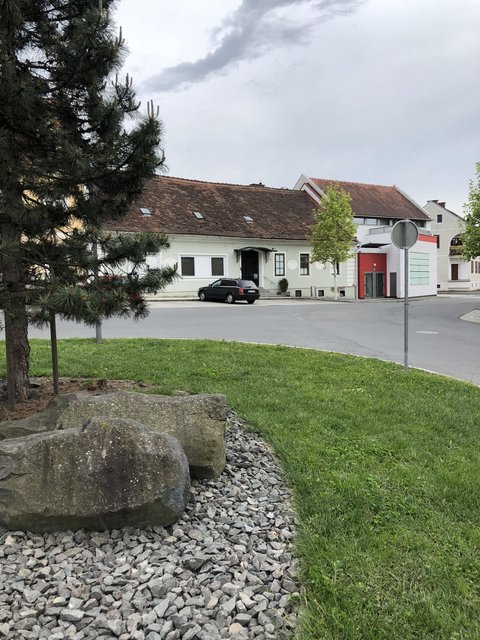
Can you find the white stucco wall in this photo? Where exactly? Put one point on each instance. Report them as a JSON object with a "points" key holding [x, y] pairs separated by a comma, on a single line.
{"points": [[427, 251], [451, 226], [202, 248], [395, 262]]}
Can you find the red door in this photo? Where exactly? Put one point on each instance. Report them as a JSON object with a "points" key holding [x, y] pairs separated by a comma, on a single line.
{"points": [[371, 263]]}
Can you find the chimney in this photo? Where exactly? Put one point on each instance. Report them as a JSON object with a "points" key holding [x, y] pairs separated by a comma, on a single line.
{"points": [[442, 204]]}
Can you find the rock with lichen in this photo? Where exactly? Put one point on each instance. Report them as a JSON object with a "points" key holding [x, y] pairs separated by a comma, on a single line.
{"points": [[109, 473]]}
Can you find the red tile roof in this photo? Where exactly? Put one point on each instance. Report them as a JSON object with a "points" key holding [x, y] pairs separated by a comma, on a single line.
{"points": [[377, 201], [276, 213]]}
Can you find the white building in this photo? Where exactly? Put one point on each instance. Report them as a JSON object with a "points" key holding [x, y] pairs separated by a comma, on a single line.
{"points": [[379, 265], [259, 233], [228, 230], [453, 272]]}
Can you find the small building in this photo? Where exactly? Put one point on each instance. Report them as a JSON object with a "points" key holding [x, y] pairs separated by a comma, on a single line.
{"points": [[379, 265], [249, 231], [453, 272]]}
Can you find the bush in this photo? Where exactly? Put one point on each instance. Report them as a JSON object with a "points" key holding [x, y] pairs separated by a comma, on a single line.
{"points": [[283, 285]]}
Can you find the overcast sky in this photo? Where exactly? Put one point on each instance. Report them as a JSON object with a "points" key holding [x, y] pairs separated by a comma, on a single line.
{"points": [[380, 91]]}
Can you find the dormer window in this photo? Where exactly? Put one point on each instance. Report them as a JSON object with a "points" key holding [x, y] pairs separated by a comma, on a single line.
{"points": [[198, 215], [248, 219], [145, 212]]}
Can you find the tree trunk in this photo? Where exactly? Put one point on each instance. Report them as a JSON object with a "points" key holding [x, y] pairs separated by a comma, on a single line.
{"points": [[17, 350], [16, 322]]}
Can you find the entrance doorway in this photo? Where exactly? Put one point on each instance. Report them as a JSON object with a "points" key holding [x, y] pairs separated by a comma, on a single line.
{"points": [[249, 266], [374, 284], [454, 271], [393, 284]]}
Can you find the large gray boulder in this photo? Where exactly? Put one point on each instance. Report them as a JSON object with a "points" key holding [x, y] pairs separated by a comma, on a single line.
{"points": [[198, 422], [38, 422], [110, 473]]}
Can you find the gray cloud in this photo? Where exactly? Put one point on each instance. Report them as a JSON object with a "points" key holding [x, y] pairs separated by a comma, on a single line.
{"points": [[255, 28]]}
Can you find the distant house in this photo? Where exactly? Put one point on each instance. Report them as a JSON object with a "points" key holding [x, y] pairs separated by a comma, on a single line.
{"points": [[261, 233], [379, 265], [453, 273], [231, 230]]}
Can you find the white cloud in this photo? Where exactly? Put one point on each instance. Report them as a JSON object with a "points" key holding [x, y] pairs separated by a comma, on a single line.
{"points": [[387, 93]]}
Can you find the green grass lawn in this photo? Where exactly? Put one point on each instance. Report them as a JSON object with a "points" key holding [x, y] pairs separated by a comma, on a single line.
{"points": [[384, 464]]}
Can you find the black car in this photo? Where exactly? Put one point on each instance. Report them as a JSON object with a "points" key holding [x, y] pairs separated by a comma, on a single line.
{"points": [[230, 290]]}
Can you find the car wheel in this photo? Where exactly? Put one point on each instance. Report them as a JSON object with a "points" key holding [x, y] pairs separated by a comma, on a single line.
{"points": [[202, 296], [250, 301], [230, 299]]}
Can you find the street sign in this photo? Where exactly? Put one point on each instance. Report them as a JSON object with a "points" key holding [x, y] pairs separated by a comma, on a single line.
{"points": [[404, 234]]}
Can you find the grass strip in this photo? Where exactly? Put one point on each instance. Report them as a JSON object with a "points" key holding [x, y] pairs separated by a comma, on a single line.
{"points": [[384, 465]]}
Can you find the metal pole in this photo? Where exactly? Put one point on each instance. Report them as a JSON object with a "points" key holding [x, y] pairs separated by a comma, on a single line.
{"points": [[98, 332], [11, 391], [405, 313], [54, 352], [98, 324]]}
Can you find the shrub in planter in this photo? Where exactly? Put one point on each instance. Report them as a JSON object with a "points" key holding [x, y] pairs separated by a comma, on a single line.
{"points": [[283, 286]]}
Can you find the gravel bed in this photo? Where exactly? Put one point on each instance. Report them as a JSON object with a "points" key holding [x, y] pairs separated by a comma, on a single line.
{"points": [[224, 570]]}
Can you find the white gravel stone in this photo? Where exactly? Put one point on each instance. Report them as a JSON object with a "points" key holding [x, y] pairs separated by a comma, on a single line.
{"points": [[224, 570]]}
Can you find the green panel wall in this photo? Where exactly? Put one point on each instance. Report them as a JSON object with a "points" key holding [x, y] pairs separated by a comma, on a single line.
{"points": [[419, 268]]}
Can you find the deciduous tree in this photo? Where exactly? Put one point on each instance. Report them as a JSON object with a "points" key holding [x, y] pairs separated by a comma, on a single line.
{"points": [[471, 237], [333, 231]]}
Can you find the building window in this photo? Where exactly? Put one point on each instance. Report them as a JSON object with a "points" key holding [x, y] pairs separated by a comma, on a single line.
{"points": [[218, 267], [438, 242], [439, 217], [187, 266], [358, 220], [279, 264], [304, 264], [371, 221]]}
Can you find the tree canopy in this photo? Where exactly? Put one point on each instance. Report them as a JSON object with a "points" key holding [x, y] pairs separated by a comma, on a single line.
{"points": [[68, 164], [471, 237], [333, 231]]}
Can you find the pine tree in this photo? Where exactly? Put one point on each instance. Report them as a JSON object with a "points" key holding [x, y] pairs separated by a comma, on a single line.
{"points": [[333, 231], [68, 164], [471, 237]]}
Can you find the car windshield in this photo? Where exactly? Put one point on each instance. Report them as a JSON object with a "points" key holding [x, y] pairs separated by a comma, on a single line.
{"points": [[246, 284]]}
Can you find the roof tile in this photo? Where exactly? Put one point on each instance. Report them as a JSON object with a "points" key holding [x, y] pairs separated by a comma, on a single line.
{"points": [[250, 211], [377, 201], [276, 213]]}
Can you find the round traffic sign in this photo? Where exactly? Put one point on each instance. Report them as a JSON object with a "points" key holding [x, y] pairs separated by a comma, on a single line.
{"points": [[404, 234]]}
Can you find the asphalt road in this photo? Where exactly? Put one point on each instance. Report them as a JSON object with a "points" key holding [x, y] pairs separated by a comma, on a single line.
{"points": [[438, 339]]}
